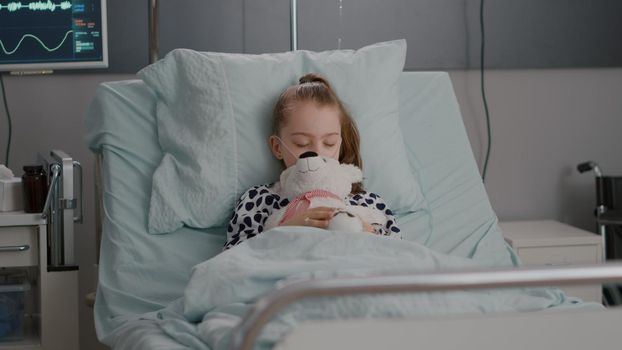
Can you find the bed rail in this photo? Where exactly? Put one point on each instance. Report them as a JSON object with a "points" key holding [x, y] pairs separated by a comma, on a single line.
{"points": [[269, 305]]}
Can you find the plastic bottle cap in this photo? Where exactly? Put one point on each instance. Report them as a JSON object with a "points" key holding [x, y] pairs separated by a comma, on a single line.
{"points": [[33, 168]]}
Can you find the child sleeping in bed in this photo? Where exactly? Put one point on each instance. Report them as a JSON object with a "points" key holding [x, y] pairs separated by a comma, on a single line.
{"points": [[308, 116]]}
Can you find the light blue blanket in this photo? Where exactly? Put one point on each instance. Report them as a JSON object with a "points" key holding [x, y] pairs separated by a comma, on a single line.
{"points": [[222, 289]]}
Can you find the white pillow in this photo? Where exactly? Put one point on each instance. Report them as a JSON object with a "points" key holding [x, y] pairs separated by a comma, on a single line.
{"points": [[214, 116]]}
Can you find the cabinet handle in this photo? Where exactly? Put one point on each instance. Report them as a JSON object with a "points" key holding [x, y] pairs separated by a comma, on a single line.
{"points": [[14, 248]]}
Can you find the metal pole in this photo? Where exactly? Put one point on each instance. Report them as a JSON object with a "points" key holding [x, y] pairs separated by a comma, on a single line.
{"points": [[154, 32], [293, 24], [266, 307]]}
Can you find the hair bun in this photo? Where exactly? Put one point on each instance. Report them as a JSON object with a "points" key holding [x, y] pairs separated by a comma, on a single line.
{"points": [[313, 78]]}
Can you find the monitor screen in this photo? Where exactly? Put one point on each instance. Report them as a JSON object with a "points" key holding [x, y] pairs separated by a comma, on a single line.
{"points": [[52, 34]]}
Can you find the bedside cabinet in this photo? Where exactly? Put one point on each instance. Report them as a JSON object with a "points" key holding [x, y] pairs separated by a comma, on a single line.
{"points": [[38, 302], [552, 243]]}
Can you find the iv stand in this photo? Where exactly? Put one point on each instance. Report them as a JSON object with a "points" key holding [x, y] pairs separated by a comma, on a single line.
{"points": [[293, 25], [154, 31]]}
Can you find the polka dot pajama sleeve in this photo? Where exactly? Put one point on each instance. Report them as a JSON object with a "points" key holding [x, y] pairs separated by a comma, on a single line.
{"points": [[251, 212]]}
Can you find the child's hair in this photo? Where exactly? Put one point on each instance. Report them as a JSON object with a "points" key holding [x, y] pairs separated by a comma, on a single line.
{"points": [[312, 87]]}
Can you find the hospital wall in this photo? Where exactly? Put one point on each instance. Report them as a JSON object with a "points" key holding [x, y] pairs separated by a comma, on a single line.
{"points": [[544, 122], [441, 33]]}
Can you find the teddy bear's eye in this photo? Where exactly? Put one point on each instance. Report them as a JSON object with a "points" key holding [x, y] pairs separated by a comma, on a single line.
{"points": [[324, 160]]}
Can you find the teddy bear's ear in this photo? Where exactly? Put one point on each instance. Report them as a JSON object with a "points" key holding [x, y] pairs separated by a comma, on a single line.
{"points": [[353, 172]]}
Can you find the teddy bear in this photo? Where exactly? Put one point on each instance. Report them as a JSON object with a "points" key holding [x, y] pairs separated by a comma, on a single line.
{"points": [[317, 181]]}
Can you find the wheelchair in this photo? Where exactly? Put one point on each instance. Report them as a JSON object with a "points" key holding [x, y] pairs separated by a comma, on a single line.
{"points": [[608, 215]]}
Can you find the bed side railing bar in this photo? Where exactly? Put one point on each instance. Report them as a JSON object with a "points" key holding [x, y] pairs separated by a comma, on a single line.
{"points": [[268, 306]]}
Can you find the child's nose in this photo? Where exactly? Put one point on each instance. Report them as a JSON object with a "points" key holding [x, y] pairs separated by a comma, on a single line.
{"points": [[315, 149]]}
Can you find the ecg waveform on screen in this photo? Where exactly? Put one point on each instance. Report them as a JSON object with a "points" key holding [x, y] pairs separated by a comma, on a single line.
{"points": [[49, 49], [36, 6], [41, 32]]}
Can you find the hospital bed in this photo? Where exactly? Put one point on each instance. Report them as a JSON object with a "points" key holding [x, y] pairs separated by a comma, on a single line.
{"points": [[141, 273]]}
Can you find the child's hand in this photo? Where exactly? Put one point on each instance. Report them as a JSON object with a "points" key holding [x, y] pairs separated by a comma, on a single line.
{"points": [[367, 227], [314, 217]]}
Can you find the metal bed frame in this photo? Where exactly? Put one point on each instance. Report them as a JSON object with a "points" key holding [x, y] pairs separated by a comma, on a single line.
{"points": [[269, 305]]}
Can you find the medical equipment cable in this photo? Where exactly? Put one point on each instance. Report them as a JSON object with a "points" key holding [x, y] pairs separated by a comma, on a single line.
{"points": [[483, 88], [8, 117]]}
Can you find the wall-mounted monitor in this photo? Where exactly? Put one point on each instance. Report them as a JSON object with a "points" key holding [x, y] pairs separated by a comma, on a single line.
{"points": [[52, 34]]}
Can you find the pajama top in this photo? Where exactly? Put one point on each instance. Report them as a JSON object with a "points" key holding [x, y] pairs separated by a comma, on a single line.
{"points": [[259, 202]]}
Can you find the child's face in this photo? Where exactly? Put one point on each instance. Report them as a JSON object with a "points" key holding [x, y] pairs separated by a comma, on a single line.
{"points": [[309, 127]]}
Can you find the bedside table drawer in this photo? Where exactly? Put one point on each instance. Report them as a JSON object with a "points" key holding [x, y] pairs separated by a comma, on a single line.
{"points": [[558, 256], [19, 246]]}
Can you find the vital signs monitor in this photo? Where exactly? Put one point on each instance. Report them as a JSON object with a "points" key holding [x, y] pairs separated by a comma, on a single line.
{"points": [[52, 34]]}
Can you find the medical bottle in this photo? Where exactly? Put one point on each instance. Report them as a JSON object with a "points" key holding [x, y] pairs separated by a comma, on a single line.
{"points": [[34, 184]]}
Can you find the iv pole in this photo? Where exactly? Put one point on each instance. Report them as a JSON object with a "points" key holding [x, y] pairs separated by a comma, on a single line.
{"points": [[154, 32], [293, 25]]}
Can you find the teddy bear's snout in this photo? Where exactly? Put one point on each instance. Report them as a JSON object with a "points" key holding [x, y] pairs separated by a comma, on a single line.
{"points": [[309, 161]]}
